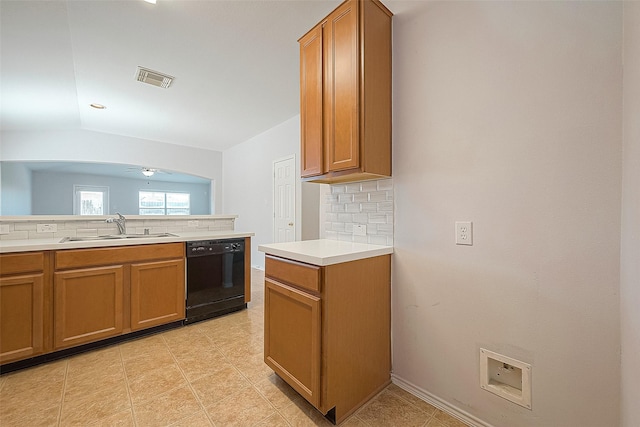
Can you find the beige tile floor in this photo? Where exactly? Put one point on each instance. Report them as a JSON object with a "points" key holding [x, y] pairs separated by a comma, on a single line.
{"points": [[210, 373]]}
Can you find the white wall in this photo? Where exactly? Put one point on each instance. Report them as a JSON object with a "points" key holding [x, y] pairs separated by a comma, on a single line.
{"points": [[508, 114], [630, 248], [89, 146], [248, 182], [15, 196]]}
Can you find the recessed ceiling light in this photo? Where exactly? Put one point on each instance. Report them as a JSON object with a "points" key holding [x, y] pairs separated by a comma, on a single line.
{"points": [[97, 106], [151, 1]]}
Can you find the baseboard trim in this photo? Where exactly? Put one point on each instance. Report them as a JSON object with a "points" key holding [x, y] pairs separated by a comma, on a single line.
{"points": [[441, 404]]}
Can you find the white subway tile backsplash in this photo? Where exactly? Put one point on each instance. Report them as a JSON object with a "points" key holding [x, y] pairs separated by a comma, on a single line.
{"points": [[353, 188], [385, 184], [386, 229], [22, 230], [368, 207], [347, 237], [361, 197], [15, 235], [345, 198], [361, 218], [334, 217], [385, 207], [30, 226], [368, 186], [352, 207], [369, 203], [344, 217], [372, 228], [337, 226], [378, 240], [377, 218], [360, 239], [331, 198], [378, 196]]}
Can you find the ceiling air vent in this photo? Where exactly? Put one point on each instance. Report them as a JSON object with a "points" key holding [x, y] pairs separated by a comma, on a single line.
{"points": [[155, 78]]}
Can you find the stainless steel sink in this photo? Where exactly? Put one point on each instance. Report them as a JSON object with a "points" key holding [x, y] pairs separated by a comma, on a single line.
{"points": [[115, 237], [134, 236]]}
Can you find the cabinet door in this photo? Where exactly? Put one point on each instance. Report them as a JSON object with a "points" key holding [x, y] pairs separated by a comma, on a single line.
{"points": [[157, 293], [341, 54], [21, 317], [88, 305], [292, 338], [311, 88]]}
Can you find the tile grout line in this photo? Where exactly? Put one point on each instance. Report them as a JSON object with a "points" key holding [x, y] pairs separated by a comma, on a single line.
{"points": [[126, 383], [64, 390], [193, 391]]}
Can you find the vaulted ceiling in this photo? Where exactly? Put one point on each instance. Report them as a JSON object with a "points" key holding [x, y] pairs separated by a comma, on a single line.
{"points": [[235, 65]]}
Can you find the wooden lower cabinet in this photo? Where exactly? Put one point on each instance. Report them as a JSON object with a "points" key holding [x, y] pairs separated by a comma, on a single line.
{"points": [[25, 290], [55, 300], [157, 293], [104, 292], [294, 317], [21, 317], [328, 330], [88, 305]]}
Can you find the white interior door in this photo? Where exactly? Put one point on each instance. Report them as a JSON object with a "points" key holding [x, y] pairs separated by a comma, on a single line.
{"points": [[284, 200]]}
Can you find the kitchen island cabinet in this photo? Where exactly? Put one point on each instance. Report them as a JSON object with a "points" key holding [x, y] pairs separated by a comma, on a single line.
{"points": [[345, 94], [24, 293], [327, 330]]}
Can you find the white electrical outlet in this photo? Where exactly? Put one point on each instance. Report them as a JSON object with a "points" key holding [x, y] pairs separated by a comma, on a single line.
{"points": [[192, 223], [359, 230], [464, 233], [46, 228]]}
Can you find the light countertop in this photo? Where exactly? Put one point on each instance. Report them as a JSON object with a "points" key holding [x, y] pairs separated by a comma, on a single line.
{"points": [[325, 252], [27, 245]]}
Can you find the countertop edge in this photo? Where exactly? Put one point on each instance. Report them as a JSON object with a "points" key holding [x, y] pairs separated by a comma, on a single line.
{"points": [[31, 245], [329, 259]]}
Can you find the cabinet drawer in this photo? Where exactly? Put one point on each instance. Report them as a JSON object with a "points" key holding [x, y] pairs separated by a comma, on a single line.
{"points": [[81, 258], [21, 263], [295, 273]]}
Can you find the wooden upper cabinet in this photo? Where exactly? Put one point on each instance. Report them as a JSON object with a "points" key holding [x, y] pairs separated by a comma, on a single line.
{"points": [[341, 89], [311, 102], [345, 99]]}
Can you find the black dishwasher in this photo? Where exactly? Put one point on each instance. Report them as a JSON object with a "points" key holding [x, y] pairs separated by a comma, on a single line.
{"points": [[215, 278]]}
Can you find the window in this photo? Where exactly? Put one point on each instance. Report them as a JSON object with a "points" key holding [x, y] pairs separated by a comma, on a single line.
{"points": [[160, 203], [90, 200]]}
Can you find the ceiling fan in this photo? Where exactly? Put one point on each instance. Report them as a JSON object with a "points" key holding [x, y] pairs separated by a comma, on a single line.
{"points": [[149, 172]]}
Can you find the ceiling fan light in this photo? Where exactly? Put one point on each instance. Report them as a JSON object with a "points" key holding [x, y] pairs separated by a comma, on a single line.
{"points": [[148, 172]]}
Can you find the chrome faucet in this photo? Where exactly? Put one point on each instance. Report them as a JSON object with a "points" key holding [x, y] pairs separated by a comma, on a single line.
{"points": [[120, 222]]}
